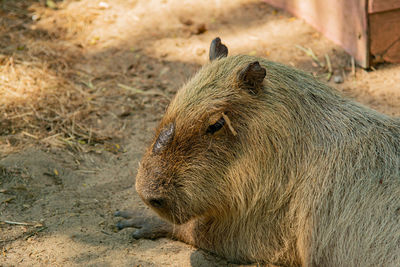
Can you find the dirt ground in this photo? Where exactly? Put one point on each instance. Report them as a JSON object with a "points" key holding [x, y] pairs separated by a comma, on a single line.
{"points": [[82, 86]]}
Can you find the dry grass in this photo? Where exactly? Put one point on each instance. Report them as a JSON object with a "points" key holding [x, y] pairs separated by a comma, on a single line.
{"points": [[44, 97]]}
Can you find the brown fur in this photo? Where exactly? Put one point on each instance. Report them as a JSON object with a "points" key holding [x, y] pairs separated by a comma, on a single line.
{"points": [[310, 178]]}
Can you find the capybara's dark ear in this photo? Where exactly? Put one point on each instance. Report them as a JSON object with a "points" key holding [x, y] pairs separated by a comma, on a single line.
{"points": [[251, 77], [217, 49]]}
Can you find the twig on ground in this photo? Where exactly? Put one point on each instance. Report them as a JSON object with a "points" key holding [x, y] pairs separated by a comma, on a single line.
{"points": [[22, 223], [8, 200], [30, 135], [104, 232], [328, 64], [36, 231], [138, 91], [353, 67], [86, 171], [309, 52]]}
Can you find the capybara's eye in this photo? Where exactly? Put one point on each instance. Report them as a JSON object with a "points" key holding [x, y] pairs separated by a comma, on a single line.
{"points": [[216, 126]]}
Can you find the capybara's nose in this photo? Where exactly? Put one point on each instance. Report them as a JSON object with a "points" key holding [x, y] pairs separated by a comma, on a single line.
{"points": [[158, 203]]}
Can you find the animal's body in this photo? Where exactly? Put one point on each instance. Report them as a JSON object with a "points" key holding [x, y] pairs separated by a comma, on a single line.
{"points": [[260, 162]]}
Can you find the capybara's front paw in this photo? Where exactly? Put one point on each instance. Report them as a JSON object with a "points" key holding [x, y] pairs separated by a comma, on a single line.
{"points": [[148, 226]]}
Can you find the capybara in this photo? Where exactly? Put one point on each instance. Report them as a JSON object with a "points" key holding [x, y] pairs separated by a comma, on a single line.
{"points": [[262, 163]]}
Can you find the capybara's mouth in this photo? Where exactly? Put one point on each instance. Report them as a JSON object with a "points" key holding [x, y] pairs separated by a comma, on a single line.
{"points": [[167, 208], [172, 214]]}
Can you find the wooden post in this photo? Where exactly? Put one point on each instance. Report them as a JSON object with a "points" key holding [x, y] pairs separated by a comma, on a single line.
{"points": [[342, 21], [384, 23]]}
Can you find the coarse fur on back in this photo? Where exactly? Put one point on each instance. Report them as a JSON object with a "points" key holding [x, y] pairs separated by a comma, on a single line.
{"points": [[259, 162]]}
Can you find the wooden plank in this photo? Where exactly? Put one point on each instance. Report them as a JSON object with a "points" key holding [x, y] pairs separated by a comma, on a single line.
{"points": [[342, 21], [385, 36], [375, 6]]}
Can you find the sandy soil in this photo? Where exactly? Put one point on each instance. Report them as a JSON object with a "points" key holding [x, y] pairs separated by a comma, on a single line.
{"points": [[127, 58]]}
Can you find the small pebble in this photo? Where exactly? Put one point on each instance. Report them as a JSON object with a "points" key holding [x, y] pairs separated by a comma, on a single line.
{"points": [[35, 17], [201, 28], [104, 5], [200, 51], [338, 79]]}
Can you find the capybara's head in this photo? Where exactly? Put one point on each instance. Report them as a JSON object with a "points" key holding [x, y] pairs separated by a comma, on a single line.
{"points": [[184, 173]]}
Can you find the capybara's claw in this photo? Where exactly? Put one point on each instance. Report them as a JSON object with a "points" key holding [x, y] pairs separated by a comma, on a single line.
{"points": [[149, 226], [119, 226], [125, 224], [132, 219], [117, 213]]}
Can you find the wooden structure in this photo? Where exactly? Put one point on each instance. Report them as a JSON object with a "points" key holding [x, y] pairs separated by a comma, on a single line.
{"points": [[367, 29]]}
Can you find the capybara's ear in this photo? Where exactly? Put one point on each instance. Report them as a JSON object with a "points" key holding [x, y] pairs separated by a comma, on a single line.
{"points": [[251, 77], [217, 49]]}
